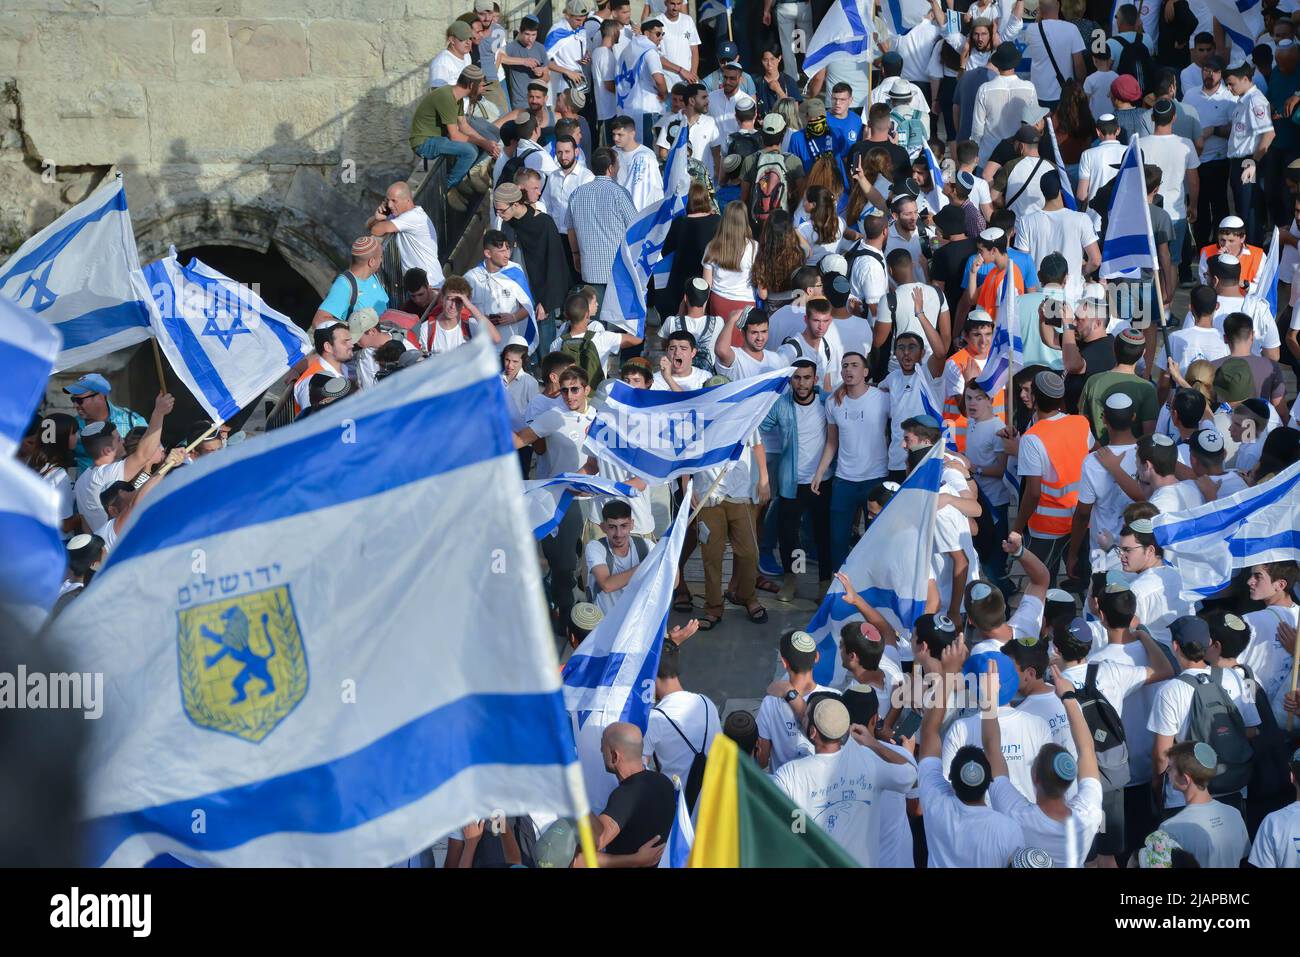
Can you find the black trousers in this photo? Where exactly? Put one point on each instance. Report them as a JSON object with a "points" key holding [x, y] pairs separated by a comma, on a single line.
{"points": [[792, 510], [1049, 551], [1249, 199], [1212, 204], [561, 551]]}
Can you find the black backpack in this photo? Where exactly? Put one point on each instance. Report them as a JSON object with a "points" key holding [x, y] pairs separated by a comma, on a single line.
{"points": [[1134, 59], [1270, 774], [587, 356], [880, 355], [695, 775], [642, 549], [1216, 721], [1107, 730], [743, 143]]}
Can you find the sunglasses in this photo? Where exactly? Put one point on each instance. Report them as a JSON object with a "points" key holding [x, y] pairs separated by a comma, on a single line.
{"points": [[78, 399], [571, 389]]}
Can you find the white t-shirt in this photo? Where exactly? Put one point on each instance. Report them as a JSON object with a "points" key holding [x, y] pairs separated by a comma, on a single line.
{"points": [[1171, 712], [777, 724], [690, 381], [1213, 833], [1061, 231], [604, 61], [520, 391], [565, 48], [445, 68], [959, 835], [844, 793], [1266, 334], [784, 323], [952, 534], [983, 448], [1191, 343], [1097, 87], [828, 355], [696, 716], [565, 432], [679, 36], [1098, 166], [417, 246], [605, 343], [1251, 119], [861, 423], [704, 328], [90, 484], [595, 554], [854, 333], [640, 60], [735, 284], [1214, 109], [810, 421], [1136, 734], [1265, 656], [444, 340], [820, 247], [1175, 155], [745, 366], [1023, 736], [1028, 173], [1065, 40], [1099, 489], [1051, 709], [1158, 602], [701, 139], [1068, 841], [868, 281], [1277, 842], [638, 173], [904, 317], [904, 403]]}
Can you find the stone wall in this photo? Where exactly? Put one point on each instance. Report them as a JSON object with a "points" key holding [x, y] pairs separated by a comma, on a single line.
{"points": [[239, 122]]}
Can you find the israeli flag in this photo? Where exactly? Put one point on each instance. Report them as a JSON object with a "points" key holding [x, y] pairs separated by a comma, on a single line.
{"points": [[932, 410], [889, 567], [1128, 247], [277, 653], [1251, 527], [28, 350], [32, 561], [641, 252], [1067, 190], [1265, 287], [81, 274], [516, 280], [548, 500], [659, 435], [1242, 21], [1006, 350], [609, 674], [220, 338], [712, 9], [934, 199], [682, 836], [845, 33], [558, 34]]}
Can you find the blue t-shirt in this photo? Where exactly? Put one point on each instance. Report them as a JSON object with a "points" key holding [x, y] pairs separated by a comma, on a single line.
{"points": [[808, 147], [1024, 262], [847, 130], [370, 292]]}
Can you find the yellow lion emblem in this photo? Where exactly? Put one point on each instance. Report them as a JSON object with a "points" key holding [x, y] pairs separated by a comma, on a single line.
{"points": [[242, 663]]}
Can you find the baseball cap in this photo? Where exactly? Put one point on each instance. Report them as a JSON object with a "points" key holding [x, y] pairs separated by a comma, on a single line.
{"points": [[483, 6], [1233, 381], [1050, 384], [361, 321], [773, 123], [728, 51], [460, 30], [1190, 632], [557, 844], [1126, 88], [575, 8], [1032, 113], [1027, 134], [1008, 677], [812, 109], [834, 264], [93, 382], [831, 718]]}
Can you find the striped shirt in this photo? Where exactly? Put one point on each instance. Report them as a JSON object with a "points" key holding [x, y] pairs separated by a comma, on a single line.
{"points": [[600, 213]]}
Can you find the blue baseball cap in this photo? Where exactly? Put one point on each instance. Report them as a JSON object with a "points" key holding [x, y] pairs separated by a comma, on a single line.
{"points": [[728, 51], [88, 384], [1008, 676]]}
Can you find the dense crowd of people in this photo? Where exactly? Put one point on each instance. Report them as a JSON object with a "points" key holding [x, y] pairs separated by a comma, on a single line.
{"points": [[863, 224]]}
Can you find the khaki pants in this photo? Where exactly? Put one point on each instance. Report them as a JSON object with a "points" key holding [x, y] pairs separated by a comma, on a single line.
{"points": [[730, 521]]}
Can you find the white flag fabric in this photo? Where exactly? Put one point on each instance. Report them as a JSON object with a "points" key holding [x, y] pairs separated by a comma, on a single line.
{"points": [[220, 338], [641, 251], [658, 436], [81, 274], [1006, 349], [28, 350], [32, 561], [843, 34], [1242, 21], [1128, 247], [548, 500], [1265, 285], [330, 640], [889, 566], [611, 675], [1251, 527], [677, 852]]}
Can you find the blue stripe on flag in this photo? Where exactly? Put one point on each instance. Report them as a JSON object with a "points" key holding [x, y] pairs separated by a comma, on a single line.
{"points": [[588, 671], [397, 769], [1246, 547], [1219, 521], [99, 324], [56, 243], [20, 367], [284, 481], [195, 357], [26, 574]]}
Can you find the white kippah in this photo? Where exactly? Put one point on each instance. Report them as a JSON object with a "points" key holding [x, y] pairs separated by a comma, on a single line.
{"points": [[94, 428], [992, 234], [1119, 401], [1228, 259], [78, 542], [1161, 439], [1232, 222], [802, 641]]}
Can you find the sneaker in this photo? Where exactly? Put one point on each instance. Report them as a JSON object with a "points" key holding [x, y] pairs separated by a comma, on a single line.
{"points": [[770, 565]]}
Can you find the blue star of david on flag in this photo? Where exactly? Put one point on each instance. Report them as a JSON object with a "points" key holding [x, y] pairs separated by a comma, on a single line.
{"points": [[680, 430], [214, 309], [42, 295]]}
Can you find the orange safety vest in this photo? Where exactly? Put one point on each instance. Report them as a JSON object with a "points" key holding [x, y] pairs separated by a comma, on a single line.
{"points": [[1251, 258], [1065, 441], [313, 367], [952, 409]]}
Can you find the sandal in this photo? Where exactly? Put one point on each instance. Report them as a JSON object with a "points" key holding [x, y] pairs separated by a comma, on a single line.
{"points": [[706, 622], [758, 614], [683, 602], [730, 598], [766, 584]]}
